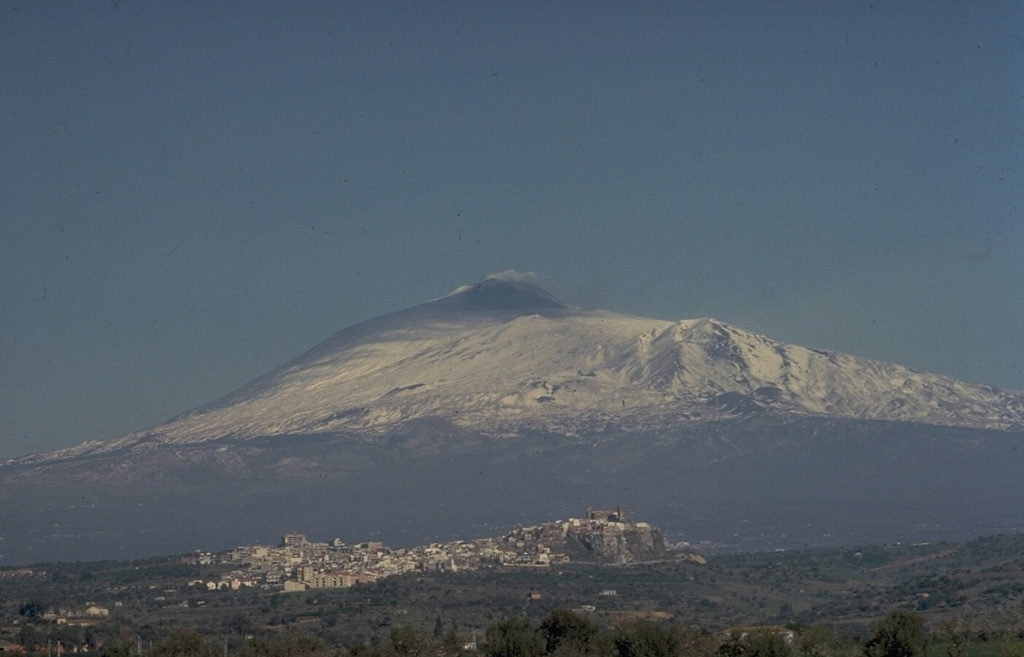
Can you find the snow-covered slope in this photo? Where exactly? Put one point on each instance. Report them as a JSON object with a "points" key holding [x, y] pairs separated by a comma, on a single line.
{"points": [[503, 356]]}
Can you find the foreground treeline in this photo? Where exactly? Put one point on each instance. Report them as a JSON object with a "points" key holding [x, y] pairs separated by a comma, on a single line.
{"points": [[565, 633], [844, 589]]}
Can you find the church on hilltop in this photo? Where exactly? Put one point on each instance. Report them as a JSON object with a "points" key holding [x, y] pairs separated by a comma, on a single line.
{"points": [[618, 514]]}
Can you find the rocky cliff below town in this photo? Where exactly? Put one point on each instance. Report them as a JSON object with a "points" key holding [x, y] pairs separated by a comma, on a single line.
{"points": [[615, 542], [603, 536]]}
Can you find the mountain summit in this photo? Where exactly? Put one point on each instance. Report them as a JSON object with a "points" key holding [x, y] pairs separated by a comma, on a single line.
{"points": [[500, 294], [503, 356], [498, 403]]}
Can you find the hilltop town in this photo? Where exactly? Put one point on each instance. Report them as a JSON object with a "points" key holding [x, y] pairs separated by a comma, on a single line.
{"points": [[297, 564]]}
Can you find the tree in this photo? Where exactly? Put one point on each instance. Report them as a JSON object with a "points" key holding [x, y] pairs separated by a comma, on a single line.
{"points": [[448, 645], [899, 634], [31, 609], [514, 637], [292, 644], [815, 641], [240, 624], [767, 642], [955, 633], [1009, 635], [566, 632], [184, 643], [115, 649], [406, 642], [759, 642], [645, 639], [30, 637]]}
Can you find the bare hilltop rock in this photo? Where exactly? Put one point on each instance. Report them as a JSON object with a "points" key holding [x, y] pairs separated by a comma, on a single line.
{"points": [[614, 541]]}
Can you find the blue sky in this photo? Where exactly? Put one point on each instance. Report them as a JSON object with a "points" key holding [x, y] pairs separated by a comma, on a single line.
{"points": [[193, 193]]}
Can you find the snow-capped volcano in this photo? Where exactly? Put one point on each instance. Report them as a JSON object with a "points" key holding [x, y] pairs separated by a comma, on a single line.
{"points": [[503, 356], [498, 404]]}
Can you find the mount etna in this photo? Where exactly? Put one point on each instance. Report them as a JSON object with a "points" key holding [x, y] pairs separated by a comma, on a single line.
{"points": [[498, 405]]}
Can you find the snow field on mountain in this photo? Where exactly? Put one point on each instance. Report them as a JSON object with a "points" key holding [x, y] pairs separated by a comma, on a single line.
{"points": [[500, 358]]}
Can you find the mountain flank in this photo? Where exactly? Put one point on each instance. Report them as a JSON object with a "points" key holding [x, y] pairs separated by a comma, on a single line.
{"points": [[498, 402]]}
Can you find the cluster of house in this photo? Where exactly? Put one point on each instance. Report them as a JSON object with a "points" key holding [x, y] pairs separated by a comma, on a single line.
{"points": [[298, 564], [71, 616], [84, 616]]}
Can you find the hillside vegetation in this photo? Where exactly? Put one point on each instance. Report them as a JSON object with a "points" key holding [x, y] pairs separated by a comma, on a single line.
{"points": [[967, 595]]}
